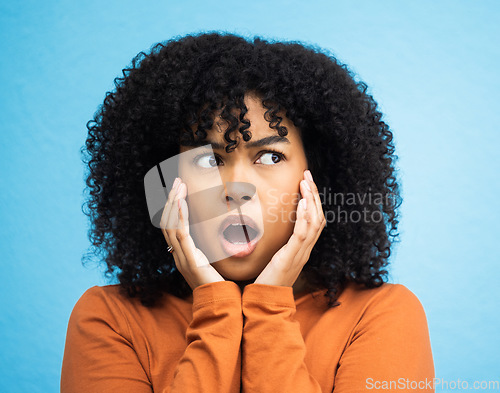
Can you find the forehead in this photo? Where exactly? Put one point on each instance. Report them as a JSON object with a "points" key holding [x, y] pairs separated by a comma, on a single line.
{"points": [[262, 133]]}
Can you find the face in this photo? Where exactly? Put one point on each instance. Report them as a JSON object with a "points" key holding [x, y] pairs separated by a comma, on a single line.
{"points": [[261, 182]]}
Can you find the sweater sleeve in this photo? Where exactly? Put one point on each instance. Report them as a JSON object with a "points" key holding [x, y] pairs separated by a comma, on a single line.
{"points": [[99, 354], [273, 349], [390, 341], [389, 348], [212, 361]]}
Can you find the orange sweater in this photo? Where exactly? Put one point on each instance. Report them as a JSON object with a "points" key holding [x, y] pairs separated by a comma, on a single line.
{"points": [[264, 340]]}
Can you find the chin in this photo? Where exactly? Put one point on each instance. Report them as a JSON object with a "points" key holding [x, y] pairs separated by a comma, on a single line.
{"points": [[236, 270]]}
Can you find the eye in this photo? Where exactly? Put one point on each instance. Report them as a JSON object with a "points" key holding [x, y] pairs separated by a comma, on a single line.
{"points": [[271, 157], [206, 161]]}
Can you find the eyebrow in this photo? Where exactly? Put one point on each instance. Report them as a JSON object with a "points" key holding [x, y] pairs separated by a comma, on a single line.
{"points": [[269, 140]]}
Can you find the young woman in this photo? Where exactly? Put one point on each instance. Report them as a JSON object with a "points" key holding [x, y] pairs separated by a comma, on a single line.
{"points": [[266, 272]]}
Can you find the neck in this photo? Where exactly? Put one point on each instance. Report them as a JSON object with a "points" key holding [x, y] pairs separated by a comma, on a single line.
{"points": [[299, 287]]}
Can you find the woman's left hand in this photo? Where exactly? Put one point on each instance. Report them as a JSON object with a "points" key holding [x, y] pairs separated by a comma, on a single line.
{"points": [[286, 265]]}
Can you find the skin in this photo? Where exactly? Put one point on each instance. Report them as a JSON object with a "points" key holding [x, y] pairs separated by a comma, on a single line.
{"points": [[291, 228]]}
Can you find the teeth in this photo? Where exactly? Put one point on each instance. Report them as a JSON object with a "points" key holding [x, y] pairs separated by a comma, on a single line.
{"points": [[237, 225], [236, 237]]}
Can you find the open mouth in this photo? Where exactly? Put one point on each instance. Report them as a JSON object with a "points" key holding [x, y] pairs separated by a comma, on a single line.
{"points": [[239, 234]]}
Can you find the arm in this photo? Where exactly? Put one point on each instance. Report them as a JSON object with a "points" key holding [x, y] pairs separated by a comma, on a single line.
{"points": [[212, 361], [273, 349], [391, 341], [99, 355]]}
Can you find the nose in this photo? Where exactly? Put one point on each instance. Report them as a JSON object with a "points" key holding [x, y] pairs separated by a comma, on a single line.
{"points": [[235, 176], [237, 193]]}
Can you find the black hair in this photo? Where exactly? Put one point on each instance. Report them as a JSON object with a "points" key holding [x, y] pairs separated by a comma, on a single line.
{"points": [[182, 82]]}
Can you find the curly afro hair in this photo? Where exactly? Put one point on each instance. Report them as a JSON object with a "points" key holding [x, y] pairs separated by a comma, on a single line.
{"points": [[182, 82]]}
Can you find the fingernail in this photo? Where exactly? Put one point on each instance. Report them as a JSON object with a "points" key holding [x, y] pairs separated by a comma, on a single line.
{"points": [[309, 176], [304, 203], [306, 185], [176, 182]]}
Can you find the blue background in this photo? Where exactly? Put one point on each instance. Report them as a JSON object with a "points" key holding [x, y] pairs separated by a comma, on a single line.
{"points": [[431, 65]]}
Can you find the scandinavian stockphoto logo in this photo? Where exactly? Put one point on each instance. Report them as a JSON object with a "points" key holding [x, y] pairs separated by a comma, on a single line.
{"points": [[225, 219], [355, 207], [343, 207]]}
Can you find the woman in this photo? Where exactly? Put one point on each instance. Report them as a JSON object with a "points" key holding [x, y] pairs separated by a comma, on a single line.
{"points": [[268, 272]]}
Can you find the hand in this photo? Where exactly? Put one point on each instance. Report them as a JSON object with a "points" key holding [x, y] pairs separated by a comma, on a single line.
{"points": [[189, 260], [286, 265]]}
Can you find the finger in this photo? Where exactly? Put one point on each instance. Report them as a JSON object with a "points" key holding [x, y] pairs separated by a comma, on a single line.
{"points": [[176, 259], [312, 220], [182, 233], [315, 213], [315, 194], [167, 210], [315, 222], [300, 233], [184, 211], [169, 203], [184, 238], [173, 252], [307, 195], [311, 234], [173, 226]]}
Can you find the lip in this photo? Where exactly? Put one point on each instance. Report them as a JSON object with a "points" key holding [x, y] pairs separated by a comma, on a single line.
{"points": [[239, 250]]}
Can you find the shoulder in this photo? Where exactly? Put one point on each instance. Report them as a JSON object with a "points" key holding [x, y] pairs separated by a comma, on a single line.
{"points": [[97, 301], [104, 305], [100, 298], [358, 304], [110, 304], [386, 295], [107, 308], [389, 307], [386, 337]]}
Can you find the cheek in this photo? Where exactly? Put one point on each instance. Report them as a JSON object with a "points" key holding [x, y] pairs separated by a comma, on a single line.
{"points": [[280, 207]]}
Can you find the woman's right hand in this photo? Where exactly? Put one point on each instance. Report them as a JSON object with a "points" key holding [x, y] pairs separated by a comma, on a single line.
{"points": [[189, 260]]}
